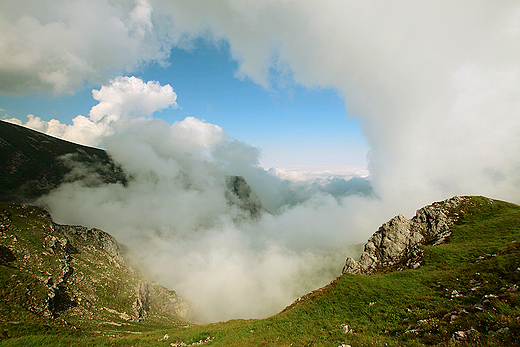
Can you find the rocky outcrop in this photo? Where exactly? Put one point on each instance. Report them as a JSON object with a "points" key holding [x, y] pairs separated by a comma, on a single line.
{"points": [[398, 241], [141, 304], [240, 193], [94, 237]]}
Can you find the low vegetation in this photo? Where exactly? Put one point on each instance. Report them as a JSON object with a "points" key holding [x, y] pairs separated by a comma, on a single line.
{"points": [[465, 294]]}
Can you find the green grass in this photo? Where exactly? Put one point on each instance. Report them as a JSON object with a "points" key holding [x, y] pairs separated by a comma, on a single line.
{"points": [[481, 257]]}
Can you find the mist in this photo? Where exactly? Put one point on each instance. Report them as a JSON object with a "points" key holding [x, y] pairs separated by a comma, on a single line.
{"points": [[436, 86], [174, 216]]}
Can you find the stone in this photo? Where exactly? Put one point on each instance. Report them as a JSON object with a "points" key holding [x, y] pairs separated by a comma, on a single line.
{"points": [[346, 330], [141, 305], [398, 241], [240, 194], [462, 335]]}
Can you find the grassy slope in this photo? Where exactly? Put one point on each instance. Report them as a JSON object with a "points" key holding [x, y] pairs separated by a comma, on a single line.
{"points": [[396, 308], [89, 303], [33, 163]]}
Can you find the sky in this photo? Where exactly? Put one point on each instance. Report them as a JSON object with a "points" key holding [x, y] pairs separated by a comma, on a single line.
{"points": [[296, 128], [339, 115]]}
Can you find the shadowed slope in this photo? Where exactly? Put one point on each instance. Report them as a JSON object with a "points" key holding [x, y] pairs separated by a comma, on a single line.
{"points": [[34, 163]]}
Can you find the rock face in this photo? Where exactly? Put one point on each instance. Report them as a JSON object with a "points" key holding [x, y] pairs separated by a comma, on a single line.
{"points": [[397, 241], [240, 194], [95, 237]]}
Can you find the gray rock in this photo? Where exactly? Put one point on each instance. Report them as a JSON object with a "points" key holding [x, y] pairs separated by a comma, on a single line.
{"points": [[346, 330], [240, 194], [397, 241], [462, 335], [98, 238]]}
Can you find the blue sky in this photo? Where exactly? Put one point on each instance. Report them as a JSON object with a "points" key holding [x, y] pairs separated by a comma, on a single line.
{"points": [[292, 125]]}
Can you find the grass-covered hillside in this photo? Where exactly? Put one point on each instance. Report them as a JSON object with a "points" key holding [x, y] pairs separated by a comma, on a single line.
{"points": [[33, 163], [61, 280], [465, 294]]}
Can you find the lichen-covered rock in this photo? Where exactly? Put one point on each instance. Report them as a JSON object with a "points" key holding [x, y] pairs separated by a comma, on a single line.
{"points": [[397, 241]]}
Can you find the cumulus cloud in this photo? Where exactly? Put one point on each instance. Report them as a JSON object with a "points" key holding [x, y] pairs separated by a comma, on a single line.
{"points": [[57, 45], [122, 103], [436, 85]]}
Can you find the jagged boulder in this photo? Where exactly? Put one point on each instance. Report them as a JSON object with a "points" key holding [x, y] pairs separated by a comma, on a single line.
{"points": [[397, 241]]}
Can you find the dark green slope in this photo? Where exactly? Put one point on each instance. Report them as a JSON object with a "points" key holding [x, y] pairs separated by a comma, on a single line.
{"points": [[34, 163]]}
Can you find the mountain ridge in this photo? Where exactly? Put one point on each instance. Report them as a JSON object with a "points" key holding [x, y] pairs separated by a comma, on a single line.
{"points": [[34, 163]]}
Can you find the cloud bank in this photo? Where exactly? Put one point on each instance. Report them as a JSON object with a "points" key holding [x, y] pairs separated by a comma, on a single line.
{"points": [[58, 45], [175, 214], [436, 84]]}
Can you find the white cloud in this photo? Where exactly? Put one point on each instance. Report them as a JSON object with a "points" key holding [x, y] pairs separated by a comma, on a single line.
{"points": [[436, 84], [56, 45], [130, 98], [303, 173], [197, 133], [122, 103]]}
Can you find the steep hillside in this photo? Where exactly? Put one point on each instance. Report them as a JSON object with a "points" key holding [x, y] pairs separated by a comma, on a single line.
{"points": [[464, 293], [61, 277], [33, 163]]}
